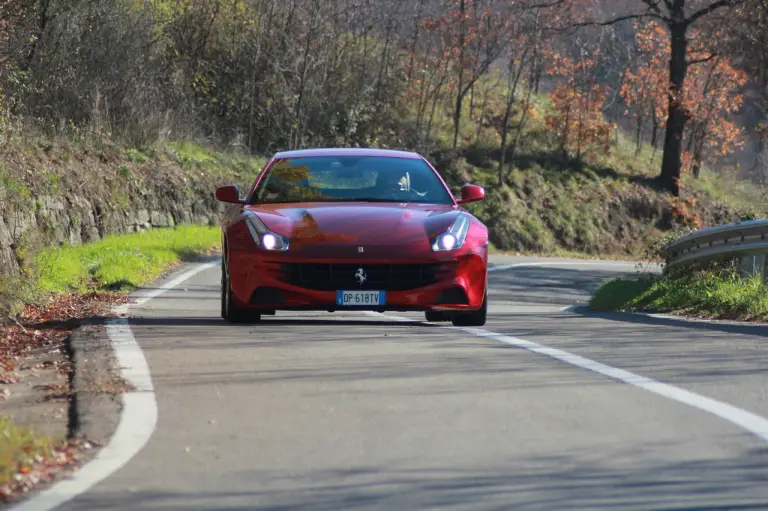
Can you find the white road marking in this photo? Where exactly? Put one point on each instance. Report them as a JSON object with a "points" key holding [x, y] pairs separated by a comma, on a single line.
{"points": [[502, 267], [141, 300], [744, 419], [137, 420], [139, 415], [749, 421]]}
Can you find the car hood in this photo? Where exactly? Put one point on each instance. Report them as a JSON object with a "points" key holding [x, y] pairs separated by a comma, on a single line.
{"points": [[320, 225]]}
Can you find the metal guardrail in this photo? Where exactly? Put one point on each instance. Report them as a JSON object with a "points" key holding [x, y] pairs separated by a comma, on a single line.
{"points": [[747, 240]]}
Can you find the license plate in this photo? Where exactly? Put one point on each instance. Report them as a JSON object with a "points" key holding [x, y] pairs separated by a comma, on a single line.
{"points": [[360, 298]]}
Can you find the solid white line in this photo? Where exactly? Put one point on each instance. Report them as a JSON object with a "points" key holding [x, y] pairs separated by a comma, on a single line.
{"points": [[137, 420], [751, 422], [502, 267], [748, 421], [175, 282]]}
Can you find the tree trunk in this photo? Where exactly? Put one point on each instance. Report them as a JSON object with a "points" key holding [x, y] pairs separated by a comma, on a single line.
{"points": [[523, 119], [502, 157], [43, 18], [508, 110], [673, 138], [433, 111], [298, 139], [460, 89], [415, 40], [654, 128], [384, 58], [696, 169], [639, 134], [472, 103]]}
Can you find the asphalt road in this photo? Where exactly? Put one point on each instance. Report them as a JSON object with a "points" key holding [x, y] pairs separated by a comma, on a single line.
{"points": [[318, 411]]}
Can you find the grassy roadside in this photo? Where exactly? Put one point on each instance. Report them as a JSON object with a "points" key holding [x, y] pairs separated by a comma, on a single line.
{"points": [[703, 294], [27, 458], [20, 448], [71, 284], [124, 262]]}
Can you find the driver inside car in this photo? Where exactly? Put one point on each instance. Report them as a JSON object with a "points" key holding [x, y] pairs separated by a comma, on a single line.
{"points": [[393, 183]]}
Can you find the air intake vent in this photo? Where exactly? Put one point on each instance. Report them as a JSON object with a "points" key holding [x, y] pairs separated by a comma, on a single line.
{"points": [[453, 296], [381, 277]]}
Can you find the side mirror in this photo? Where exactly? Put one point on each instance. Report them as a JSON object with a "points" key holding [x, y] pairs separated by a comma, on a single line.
{"points": [[471, 193], [229, 194]]}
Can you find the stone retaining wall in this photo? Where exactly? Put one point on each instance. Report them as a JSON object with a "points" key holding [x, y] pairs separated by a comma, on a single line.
{"points": [[76, 219]]}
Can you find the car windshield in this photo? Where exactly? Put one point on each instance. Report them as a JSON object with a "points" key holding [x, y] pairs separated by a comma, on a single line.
{"points": [[351, 179]]}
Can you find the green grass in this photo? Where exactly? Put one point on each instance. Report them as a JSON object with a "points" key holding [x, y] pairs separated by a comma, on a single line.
{"points": [[711, 294], [124, 262], [242, 169], [136, 156], [746, 197], [187, 153], [19, 448]]}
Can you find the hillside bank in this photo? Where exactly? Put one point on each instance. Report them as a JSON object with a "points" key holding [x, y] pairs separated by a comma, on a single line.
{"points": [[64, 193]]}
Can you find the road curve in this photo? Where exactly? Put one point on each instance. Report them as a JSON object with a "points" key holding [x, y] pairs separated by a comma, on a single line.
{"points": [[318, 411]]}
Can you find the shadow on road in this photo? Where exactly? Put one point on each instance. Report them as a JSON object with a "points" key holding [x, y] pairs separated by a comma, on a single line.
{"points": [[564, 482], [270, 321], [759, 330], [548, 285]]}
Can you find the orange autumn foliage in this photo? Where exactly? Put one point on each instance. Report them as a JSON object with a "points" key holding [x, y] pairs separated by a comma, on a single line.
{"points": [[646, 86], [713, 97], [578, 119], [712, 93]]}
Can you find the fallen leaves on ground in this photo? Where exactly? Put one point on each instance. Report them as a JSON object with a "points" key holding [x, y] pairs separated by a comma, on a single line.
{"points": [[46, 327], [41, 330], [42, 469]]}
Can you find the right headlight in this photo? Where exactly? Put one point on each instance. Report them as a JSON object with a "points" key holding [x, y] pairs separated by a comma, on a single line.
{"points": [[454, 237], [263, 237]]}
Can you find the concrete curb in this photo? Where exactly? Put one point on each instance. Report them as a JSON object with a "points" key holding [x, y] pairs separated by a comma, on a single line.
{"points": [[96, 404], [583, 310]]}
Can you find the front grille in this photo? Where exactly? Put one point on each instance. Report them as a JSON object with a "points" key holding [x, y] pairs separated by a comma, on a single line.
{"points": [[379, 277]]}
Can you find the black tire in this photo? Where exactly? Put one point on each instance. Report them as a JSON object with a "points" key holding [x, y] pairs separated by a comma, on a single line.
{"points": [[229, 310], [474, 318], [436, 316]]}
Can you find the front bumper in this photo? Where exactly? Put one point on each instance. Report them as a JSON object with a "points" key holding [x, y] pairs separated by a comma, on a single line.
{"points": [[260, 281]]}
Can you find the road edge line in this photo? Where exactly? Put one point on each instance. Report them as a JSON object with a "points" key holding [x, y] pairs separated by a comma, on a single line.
{"points": [[502, 267], [755, 424], [138, 417], [751, 422]]}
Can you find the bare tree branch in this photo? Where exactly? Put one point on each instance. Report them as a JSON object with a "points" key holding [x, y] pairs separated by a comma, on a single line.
{"points": [[709, 9], [653, 5], [703, 59], [618, 20], [546, 5]]}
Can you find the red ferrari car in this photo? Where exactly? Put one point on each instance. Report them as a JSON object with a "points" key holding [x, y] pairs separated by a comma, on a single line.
{"points": [[353, 229]]}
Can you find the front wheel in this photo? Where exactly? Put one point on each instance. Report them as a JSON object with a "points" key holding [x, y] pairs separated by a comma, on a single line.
{"points": [[474, 318], [229, 310]]}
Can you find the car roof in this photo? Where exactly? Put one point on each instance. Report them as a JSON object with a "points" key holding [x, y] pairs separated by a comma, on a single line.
{"points": [[348, 151]]}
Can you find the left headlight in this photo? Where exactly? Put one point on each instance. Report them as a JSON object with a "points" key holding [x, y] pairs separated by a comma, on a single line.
{"points": [[263, 237], [454, 237]]}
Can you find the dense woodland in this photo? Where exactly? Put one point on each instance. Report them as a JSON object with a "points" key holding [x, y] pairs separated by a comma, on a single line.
{"points": [[689, 77]]}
